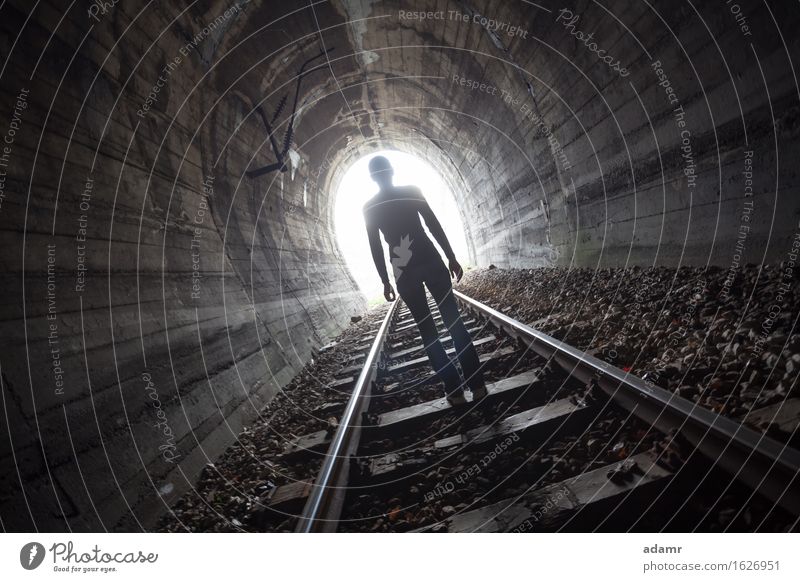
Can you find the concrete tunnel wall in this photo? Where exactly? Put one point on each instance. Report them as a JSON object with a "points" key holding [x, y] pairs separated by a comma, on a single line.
{"points": [[580, 166]]}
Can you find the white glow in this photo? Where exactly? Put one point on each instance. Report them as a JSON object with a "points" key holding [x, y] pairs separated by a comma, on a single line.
{"points": [[357, 187]]}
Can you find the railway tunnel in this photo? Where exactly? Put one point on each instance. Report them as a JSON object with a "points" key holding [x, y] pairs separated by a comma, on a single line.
{"points": [[169, 176]]}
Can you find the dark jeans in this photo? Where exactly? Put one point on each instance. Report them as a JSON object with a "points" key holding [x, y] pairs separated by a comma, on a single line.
{"points": [[436, 278]]}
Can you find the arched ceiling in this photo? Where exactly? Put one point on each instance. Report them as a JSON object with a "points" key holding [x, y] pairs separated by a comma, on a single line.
{"points": [[592, 134]]}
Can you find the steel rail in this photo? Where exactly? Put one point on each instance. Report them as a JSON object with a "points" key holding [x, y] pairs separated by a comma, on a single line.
{"points": [[761, 462], [324, 505]]}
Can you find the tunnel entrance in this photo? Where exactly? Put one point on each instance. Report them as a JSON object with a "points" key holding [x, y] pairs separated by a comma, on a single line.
{"points": [[356, 187]]}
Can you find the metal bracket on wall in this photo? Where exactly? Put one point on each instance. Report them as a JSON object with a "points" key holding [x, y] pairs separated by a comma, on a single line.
{"points": [[280, 154]]}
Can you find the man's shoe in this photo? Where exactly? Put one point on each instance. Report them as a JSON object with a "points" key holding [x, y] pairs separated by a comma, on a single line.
{"points": [[479, 393], [456, 398]]}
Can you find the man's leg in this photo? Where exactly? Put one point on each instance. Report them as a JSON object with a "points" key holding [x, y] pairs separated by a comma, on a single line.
{"points": [[413, 293], [438, 282]]}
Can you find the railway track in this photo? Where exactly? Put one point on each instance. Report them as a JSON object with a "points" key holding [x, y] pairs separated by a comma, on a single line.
{"points": [[562, 441]]}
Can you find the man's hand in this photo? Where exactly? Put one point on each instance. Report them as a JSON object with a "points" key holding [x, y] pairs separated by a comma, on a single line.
{"points": [[456, 271], [388, 292]]}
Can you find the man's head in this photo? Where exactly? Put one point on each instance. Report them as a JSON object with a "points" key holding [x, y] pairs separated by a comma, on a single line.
{"points": [[381, 171]]}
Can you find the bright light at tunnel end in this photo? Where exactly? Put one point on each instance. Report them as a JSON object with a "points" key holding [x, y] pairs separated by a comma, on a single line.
{"points": [[356, 187]]}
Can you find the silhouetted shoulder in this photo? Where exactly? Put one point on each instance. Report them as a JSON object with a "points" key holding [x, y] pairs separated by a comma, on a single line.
{"points": [[410, 192], [368, 204]]}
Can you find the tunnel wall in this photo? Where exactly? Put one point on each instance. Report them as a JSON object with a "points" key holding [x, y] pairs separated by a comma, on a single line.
{"points": [[560, 159], [151, 370], [557, 159]]}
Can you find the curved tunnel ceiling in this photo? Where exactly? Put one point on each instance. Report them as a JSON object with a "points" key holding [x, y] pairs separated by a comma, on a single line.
{"points": [[596, 134], [556, 155]]}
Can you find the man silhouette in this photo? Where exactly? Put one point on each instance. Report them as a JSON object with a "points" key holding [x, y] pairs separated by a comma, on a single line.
{"points": [[395, 211]]}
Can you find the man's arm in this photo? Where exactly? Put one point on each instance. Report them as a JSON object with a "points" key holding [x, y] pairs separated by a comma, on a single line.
{"points": [[437, 231], [377, 253], [378, 258]]}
